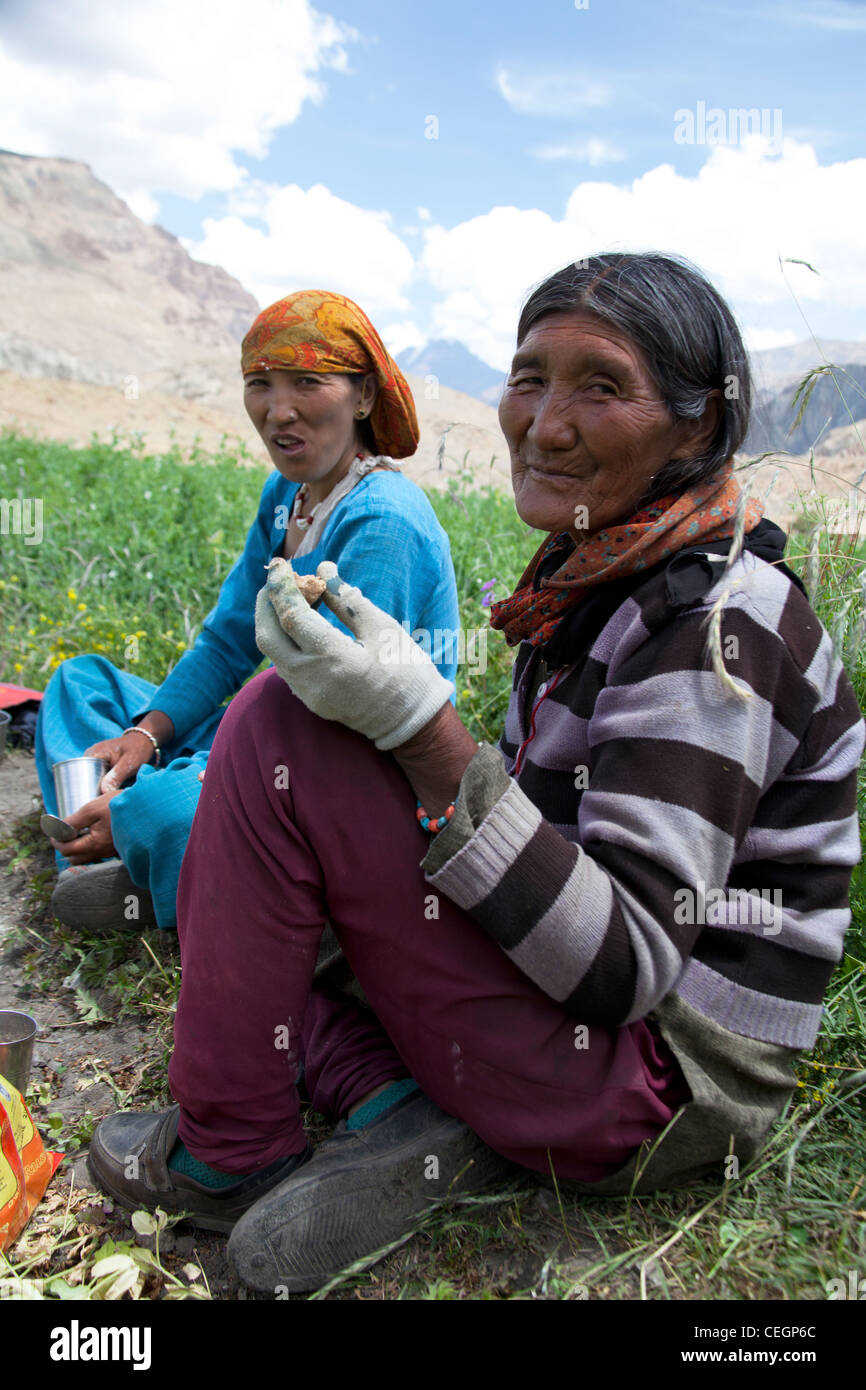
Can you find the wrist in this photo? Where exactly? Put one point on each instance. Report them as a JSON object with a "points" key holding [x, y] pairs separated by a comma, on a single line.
{"points": [[156, 723], [153, 755], [435, 759]]}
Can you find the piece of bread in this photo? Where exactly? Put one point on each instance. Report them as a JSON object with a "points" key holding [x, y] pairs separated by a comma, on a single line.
{"points": [[310, 586]]}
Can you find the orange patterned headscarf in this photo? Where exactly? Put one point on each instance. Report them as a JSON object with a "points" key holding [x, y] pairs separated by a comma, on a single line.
{"points": [[315, 331]]}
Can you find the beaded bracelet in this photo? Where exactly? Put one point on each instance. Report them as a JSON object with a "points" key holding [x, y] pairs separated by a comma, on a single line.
{"points": [[137, 729], [433, 826]]}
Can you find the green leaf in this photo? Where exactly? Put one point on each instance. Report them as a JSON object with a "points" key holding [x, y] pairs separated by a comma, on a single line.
{"points": [[144, 1223]]}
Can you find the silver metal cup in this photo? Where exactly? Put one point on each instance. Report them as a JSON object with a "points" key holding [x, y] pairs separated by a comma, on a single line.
{"points": [[76, 781], [17, 1037]]}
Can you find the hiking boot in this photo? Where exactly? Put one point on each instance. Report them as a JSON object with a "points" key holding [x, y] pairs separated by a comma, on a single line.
{"points": [[101, 896], [363, 1190], [129, 1156]]}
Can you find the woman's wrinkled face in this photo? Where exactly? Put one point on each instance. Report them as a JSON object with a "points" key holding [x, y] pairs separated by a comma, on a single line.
{"points": [[585, 423], [306, 419]]}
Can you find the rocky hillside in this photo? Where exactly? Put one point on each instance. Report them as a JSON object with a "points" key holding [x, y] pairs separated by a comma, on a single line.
{"points": [[88, 292], [107, 322]]}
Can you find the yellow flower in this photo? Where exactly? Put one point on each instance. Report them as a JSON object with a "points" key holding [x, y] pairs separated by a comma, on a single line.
{"points": [[71, 594], [17, 666], [82, 607]]}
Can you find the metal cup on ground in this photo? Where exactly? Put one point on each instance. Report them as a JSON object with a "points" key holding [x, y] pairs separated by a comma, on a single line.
{"points": [[76, 781], [17, 1037]]}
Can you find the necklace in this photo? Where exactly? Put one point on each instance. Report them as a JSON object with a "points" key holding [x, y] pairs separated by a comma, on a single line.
{"points": [[304, 522]]}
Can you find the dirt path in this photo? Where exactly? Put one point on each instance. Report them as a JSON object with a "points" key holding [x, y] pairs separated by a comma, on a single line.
{"points": [[82, 1069]]}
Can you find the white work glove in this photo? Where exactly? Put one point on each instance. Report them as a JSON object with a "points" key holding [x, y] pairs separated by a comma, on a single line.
{"points": [[382, 684]]}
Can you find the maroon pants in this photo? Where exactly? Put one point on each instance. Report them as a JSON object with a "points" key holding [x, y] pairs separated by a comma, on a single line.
{"points": [[302, 820]]}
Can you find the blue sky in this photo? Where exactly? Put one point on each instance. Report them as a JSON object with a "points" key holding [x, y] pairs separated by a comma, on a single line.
{"points": [[291, 145]]}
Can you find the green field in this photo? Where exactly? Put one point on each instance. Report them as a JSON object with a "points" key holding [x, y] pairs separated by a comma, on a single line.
{"points": [[134, 550]]}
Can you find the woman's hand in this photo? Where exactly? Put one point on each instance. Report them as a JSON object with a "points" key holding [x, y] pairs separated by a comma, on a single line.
{"points": [[124, 755], [94, 818], [383, 684]]}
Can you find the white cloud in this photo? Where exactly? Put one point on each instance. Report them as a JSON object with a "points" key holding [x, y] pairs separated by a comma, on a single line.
{"points": [[144, 205], [744, 210], [758, 339], [311, 240], [159, 95], [424, 214], [593, 151], [482, 269], [399, 336], [551, 92]]}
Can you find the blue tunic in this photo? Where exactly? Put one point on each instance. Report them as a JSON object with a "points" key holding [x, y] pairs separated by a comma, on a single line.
{"points": [[383, 536]]}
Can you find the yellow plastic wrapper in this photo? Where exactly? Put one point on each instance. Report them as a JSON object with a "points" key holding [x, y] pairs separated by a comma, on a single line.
{"points": [[26, 1166]]}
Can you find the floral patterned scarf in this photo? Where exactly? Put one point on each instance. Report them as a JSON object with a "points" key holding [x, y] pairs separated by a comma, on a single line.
{"points": [[703, 513]]}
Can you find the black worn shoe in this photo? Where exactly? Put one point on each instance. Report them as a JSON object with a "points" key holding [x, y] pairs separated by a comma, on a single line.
{"points": [[102, 897], [128, 1158], [362, 1190]]}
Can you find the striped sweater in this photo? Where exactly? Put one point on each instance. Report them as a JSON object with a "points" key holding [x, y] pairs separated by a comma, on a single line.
{"points": [[646, 843]]}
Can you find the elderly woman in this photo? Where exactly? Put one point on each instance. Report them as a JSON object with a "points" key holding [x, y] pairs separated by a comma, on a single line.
{"points": [[582, 974], [334, 412]]}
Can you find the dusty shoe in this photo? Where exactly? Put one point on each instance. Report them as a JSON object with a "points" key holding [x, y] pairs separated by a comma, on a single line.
{"points": [[101, 896], [129, 1156], [362, 1190]]}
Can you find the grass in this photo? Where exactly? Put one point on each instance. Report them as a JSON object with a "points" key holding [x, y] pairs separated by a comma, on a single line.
{"points": [[138, 548]]}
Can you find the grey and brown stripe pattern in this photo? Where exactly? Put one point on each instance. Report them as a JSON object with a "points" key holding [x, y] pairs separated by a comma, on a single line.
{"points": [[580, 876]]}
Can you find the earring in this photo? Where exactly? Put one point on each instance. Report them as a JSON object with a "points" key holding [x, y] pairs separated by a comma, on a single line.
{"points": [[360, 414]]}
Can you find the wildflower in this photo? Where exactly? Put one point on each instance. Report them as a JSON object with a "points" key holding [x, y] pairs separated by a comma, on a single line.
{"points": [[488, 597], [82, 607], [71, 594]]}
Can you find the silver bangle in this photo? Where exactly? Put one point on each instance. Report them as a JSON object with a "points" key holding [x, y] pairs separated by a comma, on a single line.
{"points": [[137, 729]]}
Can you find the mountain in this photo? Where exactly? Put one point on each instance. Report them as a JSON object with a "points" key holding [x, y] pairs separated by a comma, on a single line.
{"points": [[89, 292], [453, 365], [107, 322], [833, 402], [775, 368]]}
